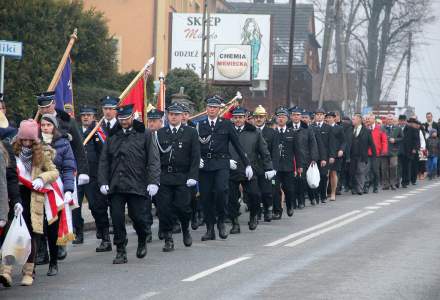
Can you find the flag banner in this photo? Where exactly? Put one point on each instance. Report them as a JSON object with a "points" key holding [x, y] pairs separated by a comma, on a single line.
{"points": [[161, 96], [136, 97], [63, 90]]}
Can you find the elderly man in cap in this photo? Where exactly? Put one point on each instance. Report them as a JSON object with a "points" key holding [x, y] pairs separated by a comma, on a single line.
{"points": [[272, 140], [98, 203], [215, 135], [67, 125], [154, 119], [327, 152], [258, 154], [129, 172], [179, 150], [290, 164]]}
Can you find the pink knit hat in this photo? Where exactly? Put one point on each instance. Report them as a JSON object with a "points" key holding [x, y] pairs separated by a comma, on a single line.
{"points": [[28, 130]]}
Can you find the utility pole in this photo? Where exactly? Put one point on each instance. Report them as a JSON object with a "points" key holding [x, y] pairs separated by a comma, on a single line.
{"points": [[360, 89], [408, 69], [205, 67], [290, 61]]}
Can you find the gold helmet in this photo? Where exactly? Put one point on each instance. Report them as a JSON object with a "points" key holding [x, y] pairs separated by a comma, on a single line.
{"points": [[260, 111]]}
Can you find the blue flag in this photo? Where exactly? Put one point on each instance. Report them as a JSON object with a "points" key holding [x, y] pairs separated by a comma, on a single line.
{"points": [[63, 90]]}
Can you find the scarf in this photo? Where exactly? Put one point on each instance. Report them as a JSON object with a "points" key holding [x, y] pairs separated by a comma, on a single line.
{"points": [[26, 158], [47, 137]]}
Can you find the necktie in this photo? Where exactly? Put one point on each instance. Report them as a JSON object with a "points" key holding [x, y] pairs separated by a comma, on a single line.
{"points": [[174, 130], [238, 129], [212, 125], [107, 126]]}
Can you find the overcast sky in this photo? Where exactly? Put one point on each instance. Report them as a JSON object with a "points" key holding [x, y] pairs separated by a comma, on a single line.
{"points": [[425, 68]]}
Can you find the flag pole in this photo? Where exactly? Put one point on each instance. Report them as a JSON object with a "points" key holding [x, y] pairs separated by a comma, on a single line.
{"points": [[227, 106], [122, 96], [57, 75]]}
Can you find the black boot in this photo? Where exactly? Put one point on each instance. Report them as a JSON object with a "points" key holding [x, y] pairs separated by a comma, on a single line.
{"points": [[149, 237], [187, 239], [53, 269], [176, 228], [160, 235], [62, 252], [222, 230], [235, 226], [194, 221], [121, 255], [200, 219], [42, 254], [290, 211], [277, 215], [268, 215], [210, 233], [105, 245], [141, 251], [79, 235], [253, 222], [169, 243], [312, 202]]}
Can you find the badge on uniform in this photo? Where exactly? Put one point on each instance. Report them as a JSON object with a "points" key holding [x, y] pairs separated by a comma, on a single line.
{"points": [[180, 144]]}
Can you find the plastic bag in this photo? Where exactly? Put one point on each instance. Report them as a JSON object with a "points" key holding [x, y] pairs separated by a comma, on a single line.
{"points": [[313, 176], [17, 245]]}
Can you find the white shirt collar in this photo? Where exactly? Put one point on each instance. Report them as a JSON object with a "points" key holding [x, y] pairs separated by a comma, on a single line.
{"points": [[84, 128], [296, 125], [239, 127], [262, 127], [282, 128], [177, 127], [112, 122], [212, 120]]}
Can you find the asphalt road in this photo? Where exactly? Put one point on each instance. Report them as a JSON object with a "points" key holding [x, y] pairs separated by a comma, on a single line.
{"points": [[375, 246]]}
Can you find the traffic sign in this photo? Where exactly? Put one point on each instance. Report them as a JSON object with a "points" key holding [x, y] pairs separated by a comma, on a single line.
{"points": [[11, 49]]}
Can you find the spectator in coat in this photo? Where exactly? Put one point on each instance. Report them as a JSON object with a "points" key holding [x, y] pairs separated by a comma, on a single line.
{"points": [[433, 146], [389, 161]]}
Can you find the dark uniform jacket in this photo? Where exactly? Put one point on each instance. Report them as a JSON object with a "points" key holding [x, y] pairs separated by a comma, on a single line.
{"points": [[272, 139], [339, 141], [179, 155], [307, 141], [411, 141], [256, 151], [106, 130], [291, 153], [214, 144], [326, 141], [129, 161], [396, 133], [348, 133], [69, 126], [93, 151], [361, 144]]}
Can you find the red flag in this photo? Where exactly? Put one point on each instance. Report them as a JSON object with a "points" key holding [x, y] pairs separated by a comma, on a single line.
{"points": [[136, 97]]}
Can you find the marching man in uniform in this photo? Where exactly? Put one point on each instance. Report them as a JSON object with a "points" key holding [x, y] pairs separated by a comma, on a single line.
{"points": [[215, 134], [180, 158], [129, 172]]}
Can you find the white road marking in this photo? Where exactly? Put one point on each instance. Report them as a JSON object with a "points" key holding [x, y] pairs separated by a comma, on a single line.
{"points": [[400, 197], [422, 189], [217, 268], [383, 203], [147, 295], [372, 207], [318, 226], [392, 200], [335, 226]]}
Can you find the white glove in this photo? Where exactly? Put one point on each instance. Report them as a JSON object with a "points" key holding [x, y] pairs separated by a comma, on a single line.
{"points": [[83, 179], [2, 223], [18, 209], [191, 182], [37, 183], [104, 189], [249, 173], [270, 174], [152, 189], [232, 164], [202, 164], [67, 197]]}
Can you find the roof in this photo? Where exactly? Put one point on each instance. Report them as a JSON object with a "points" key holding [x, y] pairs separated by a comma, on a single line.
{"points": [[280, 14], [333, 88]]}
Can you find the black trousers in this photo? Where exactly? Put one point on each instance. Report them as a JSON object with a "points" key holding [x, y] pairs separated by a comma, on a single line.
{"points": [[321, 191], [284, 181], [300, 189], [174, 201], [137, 211], [266, 191], [98, 205], [51, 231], [214, 187], [409, 170], [250, 188]]}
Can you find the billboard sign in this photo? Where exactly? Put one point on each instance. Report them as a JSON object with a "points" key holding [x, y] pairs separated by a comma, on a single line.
{"points": [[232, 63]]}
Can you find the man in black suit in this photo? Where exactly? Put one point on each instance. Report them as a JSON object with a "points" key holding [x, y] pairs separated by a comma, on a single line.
{"points": [[180, 158], [361, 142], [411, 146], [327, 152], [430, 123], [109, 105], [289, 165], [215, 134], [340, 145], [272, 140]]}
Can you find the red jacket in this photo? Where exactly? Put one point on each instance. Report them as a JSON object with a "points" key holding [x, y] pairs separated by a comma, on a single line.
{"points": [[380, 140]]}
